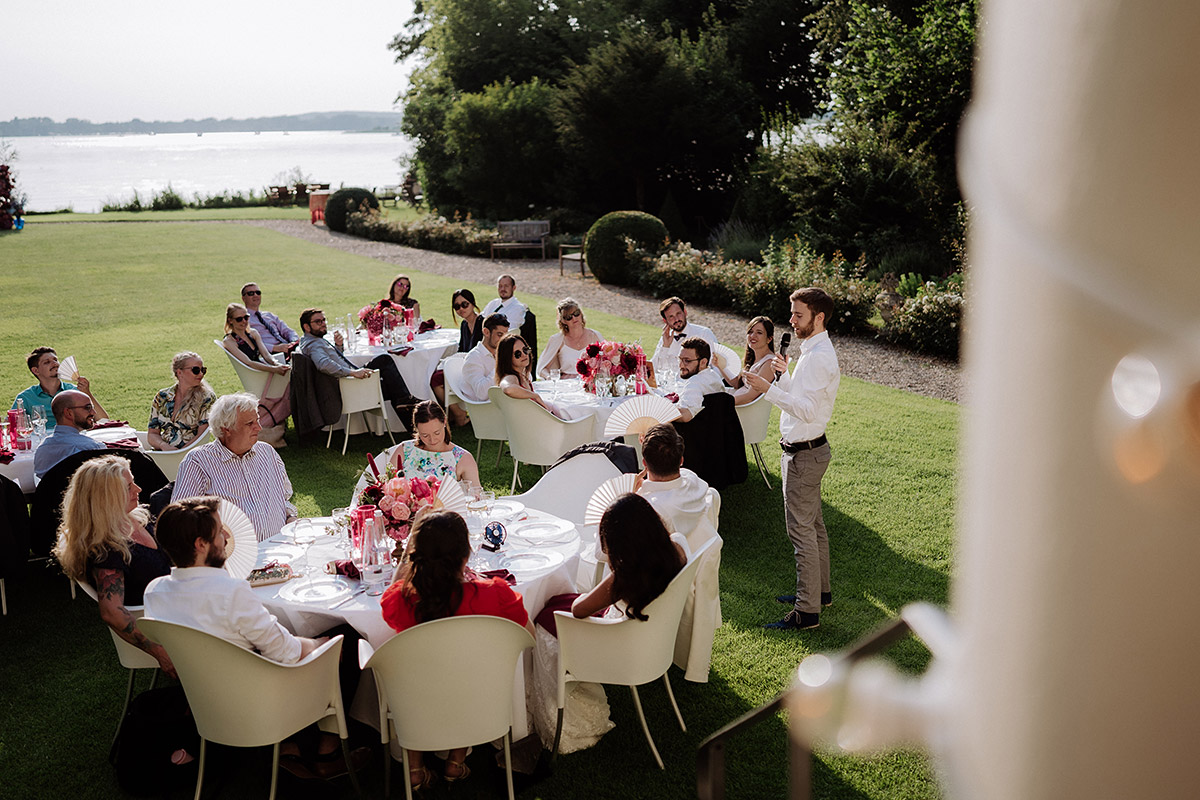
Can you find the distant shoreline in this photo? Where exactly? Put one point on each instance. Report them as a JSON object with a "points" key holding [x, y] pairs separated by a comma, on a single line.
{"points": [[348, 121]]}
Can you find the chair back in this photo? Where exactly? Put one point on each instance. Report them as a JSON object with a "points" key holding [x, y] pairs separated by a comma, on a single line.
{"points": [[255, 381], [168, 460], [130, 656], [564, 491], [449, 683], [755, 418], [242, 699], [626, 651], [362, 394], [486, 420], [535, 436]]}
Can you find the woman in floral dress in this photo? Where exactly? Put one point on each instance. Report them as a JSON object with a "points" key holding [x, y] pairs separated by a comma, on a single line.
{"points": [[432, 453], [179, 413]]}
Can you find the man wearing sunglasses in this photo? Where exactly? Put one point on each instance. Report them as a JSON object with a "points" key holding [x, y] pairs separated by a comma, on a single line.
{"points": [[275, 333], [75, 413]]}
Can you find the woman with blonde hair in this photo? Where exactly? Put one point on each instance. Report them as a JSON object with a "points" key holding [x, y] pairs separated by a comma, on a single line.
{"points": [[179, 413], [104, 541], [244, 343], [565, 348]]}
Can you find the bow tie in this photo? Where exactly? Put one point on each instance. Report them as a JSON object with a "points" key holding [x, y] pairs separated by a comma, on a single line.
{"points": [[679, 336]]}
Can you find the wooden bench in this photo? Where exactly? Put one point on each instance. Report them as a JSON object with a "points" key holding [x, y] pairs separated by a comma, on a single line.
{"points": [[388, 193], [279, 195], [529, 234]]}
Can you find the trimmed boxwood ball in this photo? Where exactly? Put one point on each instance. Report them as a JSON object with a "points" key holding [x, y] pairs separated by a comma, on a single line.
{"points": [[605, 248], [342, 203]]}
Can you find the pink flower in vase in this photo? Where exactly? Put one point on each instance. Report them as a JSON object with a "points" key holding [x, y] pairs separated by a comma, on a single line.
{"points": [[387, 503], [400, 512], [420, 489]]}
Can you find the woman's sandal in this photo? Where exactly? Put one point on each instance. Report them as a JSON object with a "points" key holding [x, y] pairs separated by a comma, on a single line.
{"points": [[460, 767], [427, 778]]}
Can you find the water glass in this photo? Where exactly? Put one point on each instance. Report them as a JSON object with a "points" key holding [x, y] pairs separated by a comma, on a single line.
{"points": [[555, 377], [341, 530], [375, 577]]}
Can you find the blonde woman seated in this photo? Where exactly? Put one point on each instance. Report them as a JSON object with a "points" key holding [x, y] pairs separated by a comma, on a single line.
{"points": [[433, 584], [244, 343], [432, 453], [513, 357], [179, 413], [760, 352], [565, 348], [104, 541]]}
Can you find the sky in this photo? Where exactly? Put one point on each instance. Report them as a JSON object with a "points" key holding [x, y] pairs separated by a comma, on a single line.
{"points": [[171, 60]]}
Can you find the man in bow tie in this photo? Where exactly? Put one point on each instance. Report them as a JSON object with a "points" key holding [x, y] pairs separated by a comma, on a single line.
{"points": [[507, 304], [676, 328]]}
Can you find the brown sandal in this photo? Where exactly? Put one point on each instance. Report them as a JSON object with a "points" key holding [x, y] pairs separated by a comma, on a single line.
{"points": [[460, 767], [428, 778]]}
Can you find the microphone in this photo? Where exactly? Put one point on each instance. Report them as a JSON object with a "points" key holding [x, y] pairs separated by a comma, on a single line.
{"points": [[785, 342]]}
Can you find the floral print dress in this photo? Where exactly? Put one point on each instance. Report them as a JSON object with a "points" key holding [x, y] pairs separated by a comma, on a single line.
{"points": [[178, 431], [418, 462]]}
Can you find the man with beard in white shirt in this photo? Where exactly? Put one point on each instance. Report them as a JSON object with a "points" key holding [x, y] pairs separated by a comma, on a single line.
{"points": [[676, 329], [479, 367], [698, 379], [506, 303], [677, 494]]}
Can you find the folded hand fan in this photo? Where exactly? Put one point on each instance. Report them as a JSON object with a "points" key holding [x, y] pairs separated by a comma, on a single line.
{"points": [[639, 414]]}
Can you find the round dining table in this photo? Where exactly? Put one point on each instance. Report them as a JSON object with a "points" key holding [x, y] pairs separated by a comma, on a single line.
{"points": [[417, 364], [541, 553], [20, 469]]}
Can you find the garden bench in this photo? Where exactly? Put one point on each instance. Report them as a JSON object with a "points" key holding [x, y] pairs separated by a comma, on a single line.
{"points": [[279, 195], [388, 193], [528, 234]]}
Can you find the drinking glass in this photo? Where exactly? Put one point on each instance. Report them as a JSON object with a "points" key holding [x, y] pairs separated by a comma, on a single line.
{"points": [[489, 503], [341, 530], [304, 535], [555, 377]]}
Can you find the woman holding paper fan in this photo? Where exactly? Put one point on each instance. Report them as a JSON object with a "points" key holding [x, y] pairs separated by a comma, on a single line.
{"points": [[760, 352], [104, 541], [179, 413], [565, 348], [431, 453], [433, 584]]}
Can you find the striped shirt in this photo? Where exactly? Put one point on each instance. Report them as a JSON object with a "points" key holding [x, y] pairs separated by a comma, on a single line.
{"points": [[255, 482]]}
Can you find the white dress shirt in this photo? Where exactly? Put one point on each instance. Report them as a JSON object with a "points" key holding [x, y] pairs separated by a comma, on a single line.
{"points": [[255, 482], [478, 373], [691, 393], [211, 600], [806, 395], [680, 502], [666, 357], [512, 308]]}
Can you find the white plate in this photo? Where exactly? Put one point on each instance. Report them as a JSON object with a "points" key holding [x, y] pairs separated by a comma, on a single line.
{"points": [[544, 532], [282, 552], [533, 563], [319, 589], [507, 509]]}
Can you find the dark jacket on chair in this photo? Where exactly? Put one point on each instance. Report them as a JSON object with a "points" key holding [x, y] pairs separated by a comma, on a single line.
{"points": [[713, 445], [316, 398]]}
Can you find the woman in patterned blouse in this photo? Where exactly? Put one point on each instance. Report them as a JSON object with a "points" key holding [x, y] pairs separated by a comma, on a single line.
{"points": [[432, 453], [179, 413]]}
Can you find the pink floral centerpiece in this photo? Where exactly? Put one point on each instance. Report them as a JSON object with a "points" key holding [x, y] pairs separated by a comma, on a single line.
{"points": [[400, 499], [607, 361], [377, 316]]}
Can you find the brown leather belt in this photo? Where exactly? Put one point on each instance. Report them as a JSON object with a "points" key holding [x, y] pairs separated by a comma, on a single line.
{"points": [[796, 447]]}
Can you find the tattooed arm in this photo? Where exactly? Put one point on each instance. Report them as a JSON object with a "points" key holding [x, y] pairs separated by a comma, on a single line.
{"points": [[110, 592]]}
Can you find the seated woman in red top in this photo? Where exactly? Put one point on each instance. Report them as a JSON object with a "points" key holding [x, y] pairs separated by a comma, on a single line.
{"points": [[434, 583]]}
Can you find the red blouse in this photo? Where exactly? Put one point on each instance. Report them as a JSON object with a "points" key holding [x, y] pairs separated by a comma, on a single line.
{"points": [[490, 597]]}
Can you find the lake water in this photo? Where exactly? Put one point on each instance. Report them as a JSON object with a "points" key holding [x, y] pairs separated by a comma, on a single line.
{"points": [[84, 172]]}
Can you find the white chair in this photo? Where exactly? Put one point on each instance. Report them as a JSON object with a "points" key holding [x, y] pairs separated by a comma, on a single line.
{"points": [[535, 436], [486, 420], [168, 460], [625, 651], [360, 395], [131, 657], [431, 689], [242, 699], [565, 490], [755, 417], [254, 381]]}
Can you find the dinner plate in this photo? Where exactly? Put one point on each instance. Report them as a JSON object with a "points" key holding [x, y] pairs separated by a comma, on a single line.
{"points": [[319, 589], [282, 552], [526, 564], [507, 509], [543, 532]]}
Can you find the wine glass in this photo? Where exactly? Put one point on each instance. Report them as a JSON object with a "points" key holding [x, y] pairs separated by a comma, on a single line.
{"points": [[304, 535], [555, 377], [341, 530]]}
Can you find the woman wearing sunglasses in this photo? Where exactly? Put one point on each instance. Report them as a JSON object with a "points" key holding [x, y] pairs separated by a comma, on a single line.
{"points": [[513, 359], [470, 331], [179, 413], [565, 348], [244, 343]]}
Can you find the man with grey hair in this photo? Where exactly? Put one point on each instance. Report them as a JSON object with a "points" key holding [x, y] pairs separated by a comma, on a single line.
{"points": [[239, 468], [75, 413]]}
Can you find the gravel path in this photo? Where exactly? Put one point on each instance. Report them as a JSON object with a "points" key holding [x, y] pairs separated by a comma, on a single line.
{"points": [[859, 357]]}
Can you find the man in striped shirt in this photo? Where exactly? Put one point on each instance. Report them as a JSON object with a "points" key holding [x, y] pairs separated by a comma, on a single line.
{"points": [[239, 468]]}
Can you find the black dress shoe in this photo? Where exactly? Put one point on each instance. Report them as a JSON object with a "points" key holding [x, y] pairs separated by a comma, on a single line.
{"points": [[796, 621], [790, 599], [827, 599]]}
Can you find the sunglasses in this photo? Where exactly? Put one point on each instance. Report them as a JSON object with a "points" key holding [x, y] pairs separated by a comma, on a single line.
{"points": [[242, 318], [199, 370], [573, 314], [519, 353], [462, 305], [252, 293]]}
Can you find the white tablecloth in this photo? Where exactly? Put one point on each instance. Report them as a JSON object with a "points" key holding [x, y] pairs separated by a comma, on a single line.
{"points": [[418, 365], [20, 469], [364, 614]]}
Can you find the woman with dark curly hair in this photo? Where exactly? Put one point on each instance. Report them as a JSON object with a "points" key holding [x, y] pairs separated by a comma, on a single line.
{"points": [[434, 583]]}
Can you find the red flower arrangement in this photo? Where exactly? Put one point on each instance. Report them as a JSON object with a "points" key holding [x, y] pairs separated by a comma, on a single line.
{"points": [[607, 360], [400, 499], [378, 315]]}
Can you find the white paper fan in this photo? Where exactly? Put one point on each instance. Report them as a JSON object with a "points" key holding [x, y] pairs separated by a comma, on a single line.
{"points": [[727, 361], [67, 371], [639, 414], [451, 497], [606, 495], [241, 551]]}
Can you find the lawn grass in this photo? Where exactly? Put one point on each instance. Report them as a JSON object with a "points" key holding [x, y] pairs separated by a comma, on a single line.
{"points": [[398, 212], [124, 298]]}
